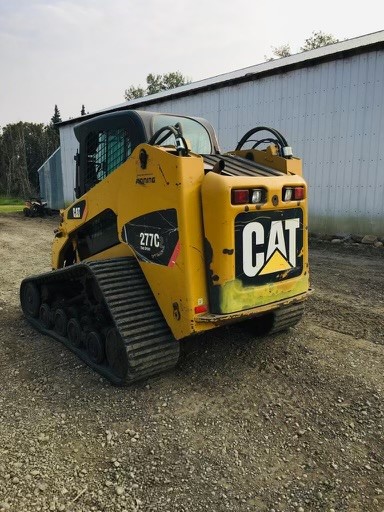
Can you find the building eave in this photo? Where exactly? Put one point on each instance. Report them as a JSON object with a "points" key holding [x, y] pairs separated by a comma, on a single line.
{"points": [[340, 50]]}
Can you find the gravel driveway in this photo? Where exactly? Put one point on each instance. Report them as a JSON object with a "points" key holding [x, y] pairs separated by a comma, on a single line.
{"points": [[293, 422]]}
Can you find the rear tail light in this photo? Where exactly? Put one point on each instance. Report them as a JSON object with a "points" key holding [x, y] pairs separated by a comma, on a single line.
{"points": [[293, 193], [249, 196], [240, 196]]}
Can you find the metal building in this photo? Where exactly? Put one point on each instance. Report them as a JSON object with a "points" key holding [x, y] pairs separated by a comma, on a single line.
{"points": [[51, 181], [327, 102]]}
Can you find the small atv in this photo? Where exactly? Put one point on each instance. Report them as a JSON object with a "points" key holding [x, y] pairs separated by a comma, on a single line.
{"points": [[35, 207]]}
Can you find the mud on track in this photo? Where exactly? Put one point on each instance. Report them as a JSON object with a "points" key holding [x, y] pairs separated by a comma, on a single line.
{"points": [[293, 422]]}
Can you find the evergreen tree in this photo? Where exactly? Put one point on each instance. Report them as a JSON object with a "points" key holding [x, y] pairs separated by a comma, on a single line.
{"points": [[56, 117], [24, 147], [83, 110]]}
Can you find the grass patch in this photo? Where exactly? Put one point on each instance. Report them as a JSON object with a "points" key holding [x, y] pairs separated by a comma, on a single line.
{"points": [[7, 208], [11, 204], [11, 200]]}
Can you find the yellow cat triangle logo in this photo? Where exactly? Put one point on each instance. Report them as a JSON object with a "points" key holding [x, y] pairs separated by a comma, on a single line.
{"points": [[276, 263]]}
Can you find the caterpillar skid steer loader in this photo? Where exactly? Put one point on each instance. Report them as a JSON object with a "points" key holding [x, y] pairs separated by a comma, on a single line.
{"points": [[169, 238]]}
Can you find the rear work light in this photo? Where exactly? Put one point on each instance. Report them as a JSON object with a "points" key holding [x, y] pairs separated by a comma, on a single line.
{"points": [[293, 193], [249, 196], [258, 196]]}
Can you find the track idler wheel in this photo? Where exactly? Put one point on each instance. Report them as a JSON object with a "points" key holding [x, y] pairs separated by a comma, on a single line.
{"points": [[116, 353], [30, 300], [95, 347], [61, 321], [45, 316], [74, 332]]}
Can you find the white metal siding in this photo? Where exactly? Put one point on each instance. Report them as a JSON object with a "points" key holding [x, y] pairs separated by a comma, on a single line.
{"points": [[51, 181], [69, 147], [332, 115]]}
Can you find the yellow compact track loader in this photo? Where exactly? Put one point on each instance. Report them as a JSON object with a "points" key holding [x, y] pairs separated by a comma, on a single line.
{"points": [[169, 238]]}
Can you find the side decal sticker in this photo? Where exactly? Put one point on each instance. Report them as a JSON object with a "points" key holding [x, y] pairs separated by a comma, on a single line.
{"points": [[77, 211], [154, 236]]}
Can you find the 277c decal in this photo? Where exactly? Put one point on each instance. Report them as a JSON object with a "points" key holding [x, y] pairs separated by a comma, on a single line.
{"points": [[154, 236], [269, 246]]}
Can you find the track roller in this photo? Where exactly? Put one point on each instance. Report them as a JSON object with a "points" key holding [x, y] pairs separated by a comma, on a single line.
{"points": [[45, 315], [74, 332], [30, 299], [95, 347], [60, 321]]}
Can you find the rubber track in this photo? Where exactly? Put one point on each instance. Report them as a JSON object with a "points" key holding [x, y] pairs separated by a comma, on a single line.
{"points": [[287, 317], [150, 345]]}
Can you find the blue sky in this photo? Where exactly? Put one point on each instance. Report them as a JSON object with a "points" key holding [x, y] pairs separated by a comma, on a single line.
{"points": [[88, 52]]}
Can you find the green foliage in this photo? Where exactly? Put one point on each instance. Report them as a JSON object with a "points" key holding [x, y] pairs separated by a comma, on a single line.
{"points": [[11, 201], [281, 51], [157, 83], [317, 40], [134, 92], [24, 147], [56, 117]]}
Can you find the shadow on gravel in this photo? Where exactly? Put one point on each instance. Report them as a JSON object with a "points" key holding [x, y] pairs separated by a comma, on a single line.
{"points": [[227, 350]]}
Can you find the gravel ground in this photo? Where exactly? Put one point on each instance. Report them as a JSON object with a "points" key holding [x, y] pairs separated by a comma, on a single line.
{"points": [[293, 422]]}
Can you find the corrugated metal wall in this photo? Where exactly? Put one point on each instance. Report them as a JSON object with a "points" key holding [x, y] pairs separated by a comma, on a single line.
{"points": [[332, 115], [57, 175], [69, 146], [51, 181]]}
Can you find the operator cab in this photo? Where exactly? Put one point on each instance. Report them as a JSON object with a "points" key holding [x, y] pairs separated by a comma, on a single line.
{"points": [[107, 141]]}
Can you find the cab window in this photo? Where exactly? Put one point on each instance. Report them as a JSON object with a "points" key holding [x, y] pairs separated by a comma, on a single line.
{"points": [[106, 151], [195, 133]]}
